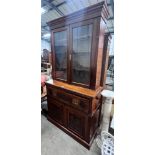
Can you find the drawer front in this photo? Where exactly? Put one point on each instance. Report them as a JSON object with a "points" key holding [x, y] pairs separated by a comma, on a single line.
{"points": [[70, 99], [56, 111]]}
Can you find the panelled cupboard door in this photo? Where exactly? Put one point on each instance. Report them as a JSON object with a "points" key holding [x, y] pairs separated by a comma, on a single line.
{"points": [[56, 111], [81, 35], [76, 122], [60, 53]]}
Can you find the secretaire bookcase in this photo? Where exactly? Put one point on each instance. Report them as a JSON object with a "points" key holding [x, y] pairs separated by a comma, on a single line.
{"points": [[79, 45]]}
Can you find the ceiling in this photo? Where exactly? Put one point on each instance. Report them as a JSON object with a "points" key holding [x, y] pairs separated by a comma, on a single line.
{"points": [[52, 9]]}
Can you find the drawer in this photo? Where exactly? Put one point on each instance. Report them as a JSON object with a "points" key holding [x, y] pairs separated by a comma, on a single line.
{"points": [[70, 99]]}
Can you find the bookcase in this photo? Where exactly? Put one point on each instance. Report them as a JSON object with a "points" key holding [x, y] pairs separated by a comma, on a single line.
{"points": [[79, 63]]}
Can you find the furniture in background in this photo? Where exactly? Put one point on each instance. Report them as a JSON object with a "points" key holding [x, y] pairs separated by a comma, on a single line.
{"points": [[46, 61], [79, 64], [45, 67], [109, 96], [44, 106], [105, 140], [110, 74], [45, 56], [106, 143], [111, 126]]}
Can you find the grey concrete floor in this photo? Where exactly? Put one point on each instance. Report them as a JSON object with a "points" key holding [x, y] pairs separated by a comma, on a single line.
{"points": [[55, 142]]}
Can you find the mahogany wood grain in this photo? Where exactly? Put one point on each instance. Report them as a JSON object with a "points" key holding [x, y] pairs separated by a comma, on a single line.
{"points": [[91, 15], [76, 107], [105, 59], [100, 52], [78, 89]]}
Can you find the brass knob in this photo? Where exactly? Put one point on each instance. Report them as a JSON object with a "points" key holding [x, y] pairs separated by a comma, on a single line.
{"points": [[75, 101]]}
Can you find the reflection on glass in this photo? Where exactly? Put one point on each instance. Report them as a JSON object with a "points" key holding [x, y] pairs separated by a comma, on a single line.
{"points": [[82, 37], [60, 46]]}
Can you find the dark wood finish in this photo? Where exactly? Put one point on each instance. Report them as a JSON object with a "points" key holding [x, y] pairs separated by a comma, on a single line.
{"points": [[79, 109], [76, 137], [105, 59], [91, 15], [56, 111], [72, 100], [75, 106], [85, 92], [76, 122], [100, 53], [53, 53], [83, 23]]}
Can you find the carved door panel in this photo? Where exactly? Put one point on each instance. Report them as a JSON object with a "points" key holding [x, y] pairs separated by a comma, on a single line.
{"points": [[56, 111], [76, 122]]}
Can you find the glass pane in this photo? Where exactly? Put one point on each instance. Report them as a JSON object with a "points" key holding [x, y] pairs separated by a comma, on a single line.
{"points": [[82, 37], [60, 46]]}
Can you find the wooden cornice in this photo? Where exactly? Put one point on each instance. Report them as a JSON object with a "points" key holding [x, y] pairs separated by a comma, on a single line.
{"points": [[97, 10]]}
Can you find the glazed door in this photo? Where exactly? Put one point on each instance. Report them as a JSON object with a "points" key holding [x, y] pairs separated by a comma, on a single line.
{"points": [[81, 42], [60, 53]]}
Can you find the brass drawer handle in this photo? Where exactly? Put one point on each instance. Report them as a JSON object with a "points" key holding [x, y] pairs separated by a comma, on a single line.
{"points": [[75, 101]]}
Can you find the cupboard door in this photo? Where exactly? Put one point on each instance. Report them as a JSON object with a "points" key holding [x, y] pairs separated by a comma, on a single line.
{"points": [[81, 53], [60, 41], [76, 122], [56, 111]]}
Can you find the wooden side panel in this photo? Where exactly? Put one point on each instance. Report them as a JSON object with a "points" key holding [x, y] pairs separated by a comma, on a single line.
{"points": [[105, 58], [94, 52], [95, 104], [100, 52], [94, 123]]}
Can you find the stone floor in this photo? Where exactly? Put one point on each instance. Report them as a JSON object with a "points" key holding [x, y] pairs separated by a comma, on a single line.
{"points": [[55, 142]]}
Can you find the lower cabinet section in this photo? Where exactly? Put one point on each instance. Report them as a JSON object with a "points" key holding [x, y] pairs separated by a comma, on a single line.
{"points": [[77, 123]]}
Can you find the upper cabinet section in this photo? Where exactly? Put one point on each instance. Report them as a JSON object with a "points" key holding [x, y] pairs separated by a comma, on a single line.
{"points": [[77, 42]]}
